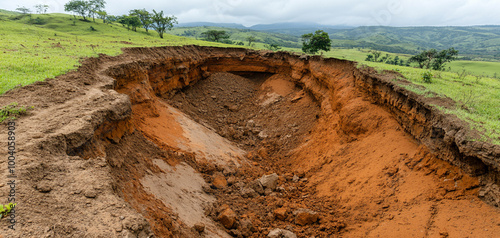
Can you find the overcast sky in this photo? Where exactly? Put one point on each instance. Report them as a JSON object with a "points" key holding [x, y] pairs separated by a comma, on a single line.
{"points": [[333, 12]]}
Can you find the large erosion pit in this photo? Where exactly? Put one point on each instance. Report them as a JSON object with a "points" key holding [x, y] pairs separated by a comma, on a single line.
{"points": [[214, 142]]}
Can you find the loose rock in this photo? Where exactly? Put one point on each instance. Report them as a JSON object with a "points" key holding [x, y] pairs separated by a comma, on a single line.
{"points": [[305, 216], [280, 213], [227, 218], [281, 233], [199, 227], [269, 181], [219, 181]]}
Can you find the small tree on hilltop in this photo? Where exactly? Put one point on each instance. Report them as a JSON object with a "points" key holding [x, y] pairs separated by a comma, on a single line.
{"points": [[41, 8], [95, 6], [162, 23], [250, 40], [432, 59], [23, 10], [312, 43], [215, 35], [144, 17], [78, 7]]}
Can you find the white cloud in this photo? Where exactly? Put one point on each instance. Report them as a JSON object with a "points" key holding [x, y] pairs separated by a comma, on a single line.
{"points": [[355, 12]]}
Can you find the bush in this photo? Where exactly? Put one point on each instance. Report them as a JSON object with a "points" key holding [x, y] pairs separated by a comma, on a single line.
{"points": [[427, 77]]}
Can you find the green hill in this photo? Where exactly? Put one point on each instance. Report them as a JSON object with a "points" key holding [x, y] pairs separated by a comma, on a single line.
{"points": [[49, 45], [241, 35], [475, 42]]}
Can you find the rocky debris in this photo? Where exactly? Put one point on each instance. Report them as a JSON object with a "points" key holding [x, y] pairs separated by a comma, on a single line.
{"points": [[199, 227], [269, 181], [305, 216], [295, 178], [280, 213], [219, 181], [246, 227], [248, 192], [257, 186], [227, 218], [281, 233]]}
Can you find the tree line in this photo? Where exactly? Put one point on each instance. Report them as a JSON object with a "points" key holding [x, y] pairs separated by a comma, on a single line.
{"points": [[136, 18], [427, 59]]}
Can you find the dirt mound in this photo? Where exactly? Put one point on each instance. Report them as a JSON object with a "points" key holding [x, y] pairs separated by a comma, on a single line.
{"points": [[213, 142]]}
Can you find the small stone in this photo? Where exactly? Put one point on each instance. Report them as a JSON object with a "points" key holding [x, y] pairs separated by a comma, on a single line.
{"points": [[295, 178], [219, 181], [281, 233], [247, 192], [256, 186], [231, 180], [118, 227], [227, 218], [91, 193], [122, 217], [246, 226], [269, 181], [199, 227], [43, 187], [305, 216], [280, 213]]}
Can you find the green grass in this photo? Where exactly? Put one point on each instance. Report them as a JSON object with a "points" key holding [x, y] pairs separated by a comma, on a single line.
{"points": [[30, 53], [478, 99], [241, 35]]}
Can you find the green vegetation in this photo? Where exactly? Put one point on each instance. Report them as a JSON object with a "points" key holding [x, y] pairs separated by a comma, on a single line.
{"points": [[10, 112], [162, 23], [473, 42], [434, 59], [31, 52], [216, 36], [257, 39], [312, 43], [6, 209]]}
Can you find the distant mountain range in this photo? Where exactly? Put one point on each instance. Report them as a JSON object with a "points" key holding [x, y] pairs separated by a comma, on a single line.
{"points": [[479, 42], [291, 28]]}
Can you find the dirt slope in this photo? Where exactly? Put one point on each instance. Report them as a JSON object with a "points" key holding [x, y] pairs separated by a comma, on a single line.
{"points": [[184, 142]]}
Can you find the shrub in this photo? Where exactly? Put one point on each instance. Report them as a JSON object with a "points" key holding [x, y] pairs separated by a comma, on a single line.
{"points": [[427, 77]]}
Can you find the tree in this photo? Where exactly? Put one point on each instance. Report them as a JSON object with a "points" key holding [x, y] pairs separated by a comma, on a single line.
{"points": [[134, 22], [131, 22], [432, 59], [250, 40], [103, 15], [312, 43], [41, 8], [95, 6], [144, 17], [162, 23], [78, 7], [273, 47], [215, 35], [444, 57], [24, 10]]}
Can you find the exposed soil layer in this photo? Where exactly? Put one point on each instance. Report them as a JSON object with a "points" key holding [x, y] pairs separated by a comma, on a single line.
{"points": [[213, 142]]}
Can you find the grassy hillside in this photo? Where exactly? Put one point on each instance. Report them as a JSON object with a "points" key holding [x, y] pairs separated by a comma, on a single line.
{"points": [[478, 42], [241, 35], [33, 52]]}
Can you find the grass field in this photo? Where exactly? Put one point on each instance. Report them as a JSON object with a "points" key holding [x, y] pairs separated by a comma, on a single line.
{"points": [[30, 53]]}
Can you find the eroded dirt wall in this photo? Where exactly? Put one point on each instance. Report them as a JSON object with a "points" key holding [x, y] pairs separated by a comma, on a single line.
{"points": [[82, 152], [446, 135]]}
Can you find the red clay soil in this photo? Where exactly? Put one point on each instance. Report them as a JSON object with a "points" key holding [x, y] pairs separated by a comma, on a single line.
{"points": [[177, 142]]}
